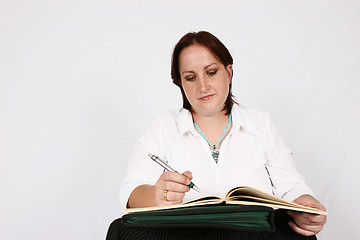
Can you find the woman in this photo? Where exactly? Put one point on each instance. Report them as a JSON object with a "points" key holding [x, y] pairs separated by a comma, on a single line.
{"points": [[213, 141]]}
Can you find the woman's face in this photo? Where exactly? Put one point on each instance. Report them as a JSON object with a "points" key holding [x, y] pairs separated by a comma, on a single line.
{"points": [[205, 80]]}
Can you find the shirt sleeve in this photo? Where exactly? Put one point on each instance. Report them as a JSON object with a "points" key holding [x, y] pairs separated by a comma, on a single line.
{"points": [[286, 181], [141, 169]]}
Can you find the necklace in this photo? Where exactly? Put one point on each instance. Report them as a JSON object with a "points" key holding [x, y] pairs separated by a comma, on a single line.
{"points": [[214, 151]]}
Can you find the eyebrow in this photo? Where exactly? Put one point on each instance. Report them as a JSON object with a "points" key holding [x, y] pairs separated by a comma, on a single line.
{"points": [[206, 67], [209, 65]]}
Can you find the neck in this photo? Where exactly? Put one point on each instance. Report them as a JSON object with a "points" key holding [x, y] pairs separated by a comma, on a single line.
{"points": [[212, 126], [214, 121]]}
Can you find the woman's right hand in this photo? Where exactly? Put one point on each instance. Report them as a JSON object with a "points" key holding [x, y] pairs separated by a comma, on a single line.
{"points": [[171, 187]]}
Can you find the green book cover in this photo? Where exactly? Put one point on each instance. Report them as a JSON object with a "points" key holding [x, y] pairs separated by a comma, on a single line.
{"points": [[220, 216]]}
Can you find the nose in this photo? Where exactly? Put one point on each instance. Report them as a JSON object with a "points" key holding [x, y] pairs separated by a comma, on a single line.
{"points": [[204, 85]]}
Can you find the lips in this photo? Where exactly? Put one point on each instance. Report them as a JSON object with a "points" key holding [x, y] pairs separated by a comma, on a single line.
{"points": [[207, 97]]}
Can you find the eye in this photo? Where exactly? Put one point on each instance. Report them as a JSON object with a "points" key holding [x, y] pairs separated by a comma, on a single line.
{"points": [[212, 73], [190, 78]]}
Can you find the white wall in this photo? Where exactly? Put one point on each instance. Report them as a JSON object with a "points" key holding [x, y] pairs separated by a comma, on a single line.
{"points": [[80, 81]]}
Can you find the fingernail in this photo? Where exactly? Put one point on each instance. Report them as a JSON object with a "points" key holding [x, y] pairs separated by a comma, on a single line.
{"points": [[187, 181]]}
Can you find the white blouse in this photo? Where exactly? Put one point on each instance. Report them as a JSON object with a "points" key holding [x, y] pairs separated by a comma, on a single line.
{"points": [[252, 154]]}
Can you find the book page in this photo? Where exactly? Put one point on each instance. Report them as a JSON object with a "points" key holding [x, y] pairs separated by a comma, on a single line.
{"points": [[251, 195], [257, 199], [239, 195], [196, 202]]}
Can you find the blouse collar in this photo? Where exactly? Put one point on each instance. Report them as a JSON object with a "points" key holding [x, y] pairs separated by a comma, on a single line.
{"points": [[240, 121]]}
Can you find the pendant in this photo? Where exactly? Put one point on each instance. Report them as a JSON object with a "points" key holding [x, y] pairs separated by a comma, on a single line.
{"points": [[215, 155]]}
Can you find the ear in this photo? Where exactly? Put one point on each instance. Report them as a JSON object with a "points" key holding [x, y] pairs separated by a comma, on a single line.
{"points": [[229, 69]]}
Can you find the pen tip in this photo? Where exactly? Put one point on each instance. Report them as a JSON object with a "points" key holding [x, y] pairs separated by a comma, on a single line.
{"points": [[196, 189]]}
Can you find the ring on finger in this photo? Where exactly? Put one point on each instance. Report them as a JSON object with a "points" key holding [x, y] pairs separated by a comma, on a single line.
{"points": [[165, 195]]}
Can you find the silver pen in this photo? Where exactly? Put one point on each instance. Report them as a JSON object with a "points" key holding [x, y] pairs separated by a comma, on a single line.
{"points": [[167, 167]]}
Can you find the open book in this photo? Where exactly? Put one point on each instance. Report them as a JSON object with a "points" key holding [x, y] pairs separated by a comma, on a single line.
{"points": [[239, 196]]}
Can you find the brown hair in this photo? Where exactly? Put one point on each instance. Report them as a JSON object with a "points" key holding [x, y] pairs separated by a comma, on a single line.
{"points": [[216, 47]]}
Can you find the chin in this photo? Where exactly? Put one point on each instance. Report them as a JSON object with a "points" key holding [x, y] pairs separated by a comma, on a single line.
{"points": [[209, 112]]}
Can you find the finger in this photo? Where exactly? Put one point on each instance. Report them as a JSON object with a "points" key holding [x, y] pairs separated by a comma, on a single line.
{"points": [[175, 187], [317, 218], [302, 221], [308, 218], [170, 198], [188, 174], [176, 177], [299, 230], [174, 196], [170, 202], [310, 201], [167, 181]]}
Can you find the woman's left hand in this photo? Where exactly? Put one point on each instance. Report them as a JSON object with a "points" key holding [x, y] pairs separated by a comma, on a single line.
{"points": [[307, 224]]}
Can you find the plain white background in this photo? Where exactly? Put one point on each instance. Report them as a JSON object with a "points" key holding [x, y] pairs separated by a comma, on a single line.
{"points": [[81, 80]]}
